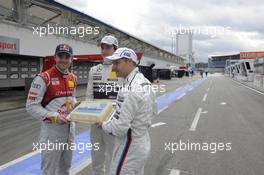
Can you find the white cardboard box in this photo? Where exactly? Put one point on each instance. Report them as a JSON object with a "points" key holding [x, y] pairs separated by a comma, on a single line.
{"points": [[92, 111]]}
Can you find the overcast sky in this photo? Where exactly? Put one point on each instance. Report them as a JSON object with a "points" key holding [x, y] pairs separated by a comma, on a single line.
{"points": [[219, 26]]}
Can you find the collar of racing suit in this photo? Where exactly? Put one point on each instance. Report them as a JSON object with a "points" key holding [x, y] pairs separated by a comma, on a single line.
{"points": [[131, 76], [59, 72]]}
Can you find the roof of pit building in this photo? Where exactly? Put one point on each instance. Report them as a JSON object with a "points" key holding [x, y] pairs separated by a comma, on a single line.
{"points": [[32, 13]]}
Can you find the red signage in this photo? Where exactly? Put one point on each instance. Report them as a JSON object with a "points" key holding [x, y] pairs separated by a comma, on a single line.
{"points": [[251, 55], [9, 45]]}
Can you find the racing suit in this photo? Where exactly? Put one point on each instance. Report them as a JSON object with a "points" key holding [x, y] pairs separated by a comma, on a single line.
{"points": [[102, 84], [51, 94], [135, 108]]}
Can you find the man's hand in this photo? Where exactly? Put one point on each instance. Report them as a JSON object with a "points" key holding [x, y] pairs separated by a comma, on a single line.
{"points": [[99, 124], [61, 120], [77, 104]]}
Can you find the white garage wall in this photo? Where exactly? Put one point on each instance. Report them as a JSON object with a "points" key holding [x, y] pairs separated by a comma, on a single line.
{"points": [[43, 46]]}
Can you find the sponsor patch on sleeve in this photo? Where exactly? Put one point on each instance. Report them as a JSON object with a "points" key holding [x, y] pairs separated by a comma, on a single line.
{"points": [[35, 85], [32, 98]]}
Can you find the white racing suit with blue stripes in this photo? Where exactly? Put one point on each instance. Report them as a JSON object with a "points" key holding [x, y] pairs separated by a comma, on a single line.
{"points": [[135, 108]]}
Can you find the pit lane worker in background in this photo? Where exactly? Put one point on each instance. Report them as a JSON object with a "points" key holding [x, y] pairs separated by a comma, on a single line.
{"points": [[51, 98], [102, 84], [135, 108]]}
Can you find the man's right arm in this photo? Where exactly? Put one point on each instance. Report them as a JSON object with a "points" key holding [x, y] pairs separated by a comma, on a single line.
{"points": [[35, 96]]}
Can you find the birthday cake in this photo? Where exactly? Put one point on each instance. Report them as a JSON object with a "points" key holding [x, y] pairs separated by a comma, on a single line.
{"points": [[92, 111]]}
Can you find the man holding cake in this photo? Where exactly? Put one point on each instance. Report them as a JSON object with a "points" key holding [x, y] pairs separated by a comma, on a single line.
{"points": [[135, 108], [103, 84], [51, 98]]}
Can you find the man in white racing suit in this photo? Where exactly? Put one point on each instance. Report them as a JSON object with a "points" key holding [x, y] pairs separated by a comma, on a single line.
{"points": [[50, 99], [135, 108], [102, 84]]}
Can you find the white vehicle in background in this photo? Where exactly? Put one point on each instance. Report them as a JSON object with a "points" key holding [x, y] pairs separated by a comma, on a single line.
{"points": [[247, 69], [241, 69], [230, 68]]}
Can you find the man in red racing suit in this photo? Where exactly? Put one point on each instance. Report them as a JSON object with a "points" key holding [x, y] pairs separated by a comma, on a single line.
{"points": [[51, 98]]}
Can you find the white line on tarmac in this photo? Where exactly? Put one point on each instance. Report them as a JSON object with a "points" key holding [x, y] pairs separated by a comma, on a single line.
{"points": [[204, 112], [223, 103], [73, 171], [204, 98], [208, 89], [175, 172], [181, 96], [20, 159], [162, 109], [195, 120], [248, 87], [168, 106], [157, 124], [178, 172], [80, 167]]}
